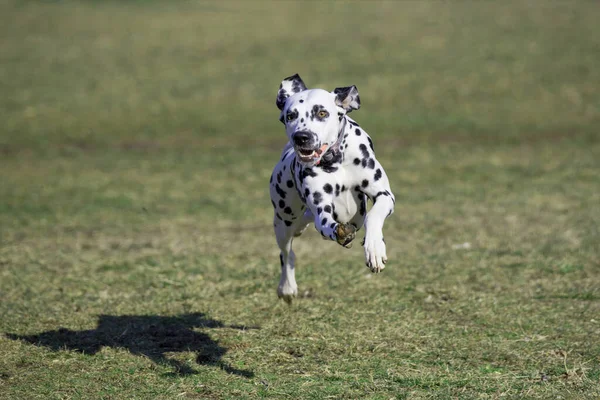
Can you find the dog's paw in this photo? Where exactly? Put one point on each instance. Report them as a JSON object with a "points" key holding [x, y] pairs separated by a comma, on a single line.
{"points": [[287, 292], [375, 256], [345, 234]]}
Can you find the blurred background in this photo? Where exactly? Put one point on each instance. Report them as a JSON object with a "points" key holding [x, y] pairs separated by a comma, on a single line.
{"points": [[137, 139], [149, 84]]}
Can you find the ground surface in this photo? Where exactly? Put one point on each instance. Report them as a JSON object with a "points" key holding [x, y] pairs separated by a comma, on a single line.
{"points": [[136, 254]]}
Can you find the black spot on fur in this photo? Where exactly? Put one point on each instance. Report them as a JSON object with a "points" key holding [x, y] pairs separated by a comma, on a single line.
{"points": [[371, 144], [363, 204], [319, 210], [356, 161], [365, 183], [298, 84], [371, 163], [278, 216], [327, 208], [377, 174], [357, 131], [306, 192], [329, 169], [335, 216], [289, 184], [308, 172], [287, 223], [332, 225], [281, 259], [287, 210], [363, 150], [280, 192], [317, 198], [281, 97], [301, 101], [281, 203], [328, 188], [323, 221], [383, 193], [301, 178]]}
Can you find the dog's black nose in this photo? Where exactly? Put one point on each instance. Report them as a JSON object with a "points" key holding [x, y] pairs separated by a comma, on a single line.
{"points": [[301, 138]]}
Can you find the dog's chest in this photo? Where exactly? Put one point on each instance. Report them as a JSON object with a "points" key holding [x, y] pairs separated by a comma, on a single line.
{"points": [[346, 206], [346, 200]]}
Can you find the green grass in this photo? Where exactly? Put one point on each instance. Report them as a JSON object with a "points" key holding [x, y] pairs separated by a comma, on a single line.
{"points": [[137, 258]]}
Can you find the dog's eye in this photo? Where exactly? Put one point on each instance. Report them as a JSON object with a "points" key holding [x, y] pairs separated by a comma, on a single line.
{"points": [[290, 117], [323, 114]]}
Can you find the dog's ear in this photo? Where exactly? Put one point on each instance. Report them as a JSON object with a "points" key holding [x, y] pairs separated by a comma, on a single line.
{"points": [[289, 86], [347, 98]]}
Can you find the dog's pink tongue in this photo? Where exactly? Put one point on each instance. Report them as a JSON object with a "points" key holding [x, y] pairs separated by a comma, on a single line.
{"points": [[319, 152]]}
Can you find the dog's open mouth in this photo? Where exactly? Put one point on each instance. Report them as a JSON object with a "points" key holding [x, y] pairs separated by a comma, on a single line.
{"points": [[308, 155]]}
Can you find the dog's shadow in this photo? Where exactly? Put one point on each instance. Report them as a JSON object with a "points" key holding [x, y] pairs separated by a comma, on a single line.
{"points": [[148, 335]]}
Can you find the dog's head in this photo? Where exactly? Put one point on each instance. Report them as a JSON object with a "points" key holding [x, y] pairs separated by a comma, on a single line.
{"points": [[313, 117]]}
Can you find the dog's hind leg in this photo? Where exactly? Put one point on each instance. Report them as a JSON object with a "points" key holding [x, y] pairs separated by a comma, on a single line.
{"points": [[287, 289]]}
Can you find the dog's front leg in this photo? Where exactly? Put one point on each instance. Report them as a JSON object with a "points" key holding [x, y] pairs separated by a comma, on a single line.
{"points": [[383, 206], [375, 251]]}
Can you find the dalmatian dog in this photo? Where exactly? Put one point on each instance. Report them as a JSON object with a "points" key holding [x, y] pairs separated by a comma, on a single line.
{"points": [[326, 174]]}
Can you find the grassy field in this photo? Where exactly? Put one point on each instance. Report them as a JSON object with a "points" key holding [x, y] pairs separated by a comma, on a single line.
{"points": [[137, 258]]}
